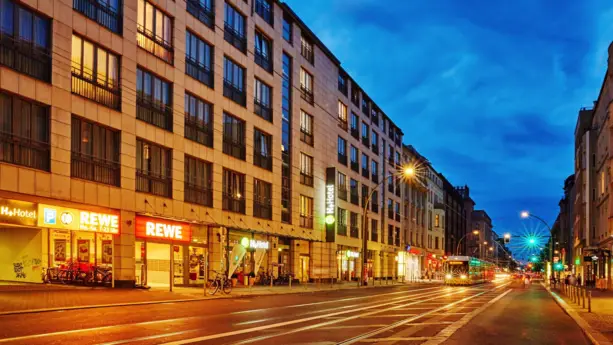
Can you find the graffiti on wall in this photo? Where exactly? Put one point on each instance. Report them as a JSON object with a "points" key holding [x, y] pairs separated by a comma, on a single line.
{"points": [[18, 269]]}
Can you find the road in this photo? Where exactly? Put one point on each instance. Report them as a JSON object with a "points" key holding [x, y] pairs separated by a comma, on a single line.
{"points": [[427, 314]]}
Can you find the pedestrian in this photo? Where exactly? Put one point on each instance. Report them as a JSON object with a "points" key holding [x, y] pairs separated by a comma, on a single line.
{"points": [[572, 280], [566, 279], [527, 281], [579, 279]]}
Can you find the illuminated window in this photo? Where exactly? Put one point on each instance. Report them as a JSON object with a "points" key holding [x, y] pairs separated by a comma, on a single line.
{"points": [[154, 31]]}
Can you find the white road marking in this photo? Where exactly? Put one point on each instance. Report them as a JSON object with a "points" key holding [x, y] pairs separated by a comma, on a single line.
{"points": [[376, 340], [389, 315], [351, 326]]}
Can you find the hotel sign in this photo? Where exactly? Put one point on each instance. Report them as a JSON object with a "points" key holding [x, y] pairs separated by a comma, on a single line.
{"points": [[157, 228], [80, 220], [330, 209], [18, 212]]}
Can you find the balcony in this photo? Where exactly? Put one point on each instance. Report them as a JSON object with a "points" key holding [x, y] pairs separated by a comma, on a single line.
{"points": [[234, 93], [375, 149], [83, 84], [355, 133], [365, 172], [24, 57], [155, 113], [342, 159], [306, 179], [355, 166], [154, 44], [374, 206], [341, 229], [306, 136], [95, 169], [235, 38], [354, 198], [206, 15], [156, 184], [265, 11], [343, 124], [200, 195], [105, 15], [374, 177], [307, 95], [354, 231], [24, 151], [198, 132], [199, 72], [306, 221], [233, 203], [234, 148], [342, 192], [306, 50], [263, 161], [262, 110], [262, 209]]}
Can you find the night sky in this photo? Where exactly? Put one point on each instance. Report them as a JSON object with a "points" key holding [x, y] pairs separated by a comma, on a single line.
{"points": [[488, 91]]}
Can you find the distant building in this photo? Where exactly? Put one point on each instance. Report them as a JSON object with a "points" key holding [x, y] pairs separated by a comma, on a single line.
{"points": [[455, 219], [483, 223]]}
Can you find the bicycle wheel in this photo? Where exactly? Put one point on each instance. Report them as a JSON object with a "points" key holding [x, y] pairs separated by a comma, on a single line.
{"points": [[227, 286], [64, 276], [212, 287]]}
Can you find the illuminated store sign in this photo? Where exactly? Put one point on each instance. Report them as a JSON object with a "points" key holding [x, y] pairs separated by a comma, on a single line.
{"points": [[330, 208], [18, 212], [163, 229], [351, 254], [254, 244], [73, 219]]}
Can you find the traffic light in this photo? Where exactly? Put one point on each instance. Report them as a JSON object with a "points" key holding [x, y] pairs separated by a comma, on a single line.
{"points": [[558, 266], [531, 241], [534, 258]]}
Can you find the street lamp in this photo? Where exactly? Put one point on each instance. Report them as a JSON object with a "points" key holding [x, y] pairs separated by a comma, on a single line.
{"points": [[525, 215], [406, 172], [457, 250]]}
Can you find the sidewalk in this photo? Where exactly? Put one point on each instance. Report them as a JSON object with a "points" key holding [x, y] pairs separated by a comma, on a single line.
{"points": [[598, 324], [29, 298]]}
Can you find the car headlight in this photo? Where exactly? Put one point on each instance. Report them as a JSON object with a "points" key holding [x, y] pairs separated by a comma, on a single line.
{"points": [[463, 276], [448, 276]]}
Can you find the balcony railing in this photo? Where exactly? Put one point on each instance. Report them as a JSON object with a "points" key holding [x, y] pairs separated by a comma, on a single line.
{"points": [[233, 203], [148, 182], [83, 84], [198, 195], [199, 72], [198, 132], [235, 38], [204, 14], [355, 166], [365, 173], [24, 151], [263, 161], [306, 179], [342, 123], [234, 93], [354, 231], [105, 15], [155, 113], [306, 50], [262, 209], [154, 44], [342, 159], [306, 136], [263, 61], [342, 193], [355, 133], [264, 11], [262, 109], [341, 229], [94, 169], [306, 221], [307, 95], [354, 198], [234, 148], [286, 216], [24, 57]]}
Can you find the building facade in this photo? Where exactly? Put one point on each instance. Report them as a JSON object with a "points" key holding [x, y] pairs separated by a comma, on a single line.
{"points": [[166, 140], [486, 237], [455, 219]]}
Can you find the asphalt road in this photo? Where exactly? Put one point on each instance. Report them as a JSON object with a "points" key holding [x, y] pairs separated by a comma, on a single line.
{"points": [[417, 314]]}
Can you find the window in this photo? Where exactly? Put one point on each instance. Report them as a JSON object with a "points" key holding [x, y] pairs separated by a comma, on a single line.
{"points": [[397, 211], [306, 169], [262, 149], [354, 125], [437, 221], [342, 115], [436, 242], [286, 138], [198, 183], [263, 51], [306, 212], [234, 28], [233, 136], [203, 11], [198, 59], [390, 183], [353, 225], [365, 194], [153, 169], [374, 140], [365, 134], [390, 209], [365, 102], [95, 152], [365, 171], [24, 132], [233, 191], [374, 201], [265, 9], [342, 186], [353, 158], [306, 86], [287, 29], [353, 192], [306, 128], [306, 49], [154, 31], [342, 83], [342, 151], [390, 234], [374, 168], [95, 73], [262, 100], [397, 159], [262, 199], [105, 12], [374, 233], [341, 222], [390, 154], [374, 115], [25, 41], [234, 82], [355, 94], [198, 120], [153, 99]]}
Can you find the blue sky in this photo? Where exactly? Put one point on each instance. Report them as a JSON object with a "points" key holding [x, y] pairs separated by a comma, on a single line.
{"points": [[487, 90]]}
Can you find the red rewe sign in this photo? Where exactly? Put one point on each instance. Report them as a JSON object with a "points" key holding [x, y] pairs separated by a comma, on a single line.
{"points": [[149, 227]]}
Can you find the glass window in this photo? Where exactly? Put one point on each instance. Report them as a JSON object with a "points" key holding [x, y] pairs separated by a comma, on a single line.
{"points": [[342, 112], [306, 81], [233, 129], [287, 29], [263, 46], [365, 130], [234, 74], [354, 121], [342, 146], [150, 88], [198, 120], [198, 51], [353, 154], [262, 93], [306, 122], [235, 20], [364, 162], [104, 73], [306, 164]]}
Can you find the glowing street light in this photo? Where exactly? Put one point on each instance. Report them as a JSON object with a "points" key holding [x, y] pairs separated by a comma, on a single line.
{"points": [[409, 171], [475, 232], [524, 214]]}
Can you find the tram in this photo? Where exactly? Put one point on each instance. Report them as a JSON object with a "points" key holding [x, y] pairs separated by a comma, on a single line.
{"points": [[466, 270]]}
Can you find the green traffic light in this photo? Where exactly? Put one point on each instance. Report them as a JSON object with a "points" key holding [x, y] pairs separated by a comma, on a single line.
{"points": [[532, 241]]}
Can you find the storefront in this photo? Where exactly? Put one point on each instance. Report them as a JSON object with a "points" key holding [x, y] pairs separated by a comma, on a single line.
{"points": [[170, 253], [34, 237], [348, 259], [412, 267], [247, 254]]}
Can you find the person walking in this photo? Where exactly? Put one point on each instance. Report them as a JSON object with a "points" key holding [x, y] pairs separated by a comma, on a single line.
{"points": [[526, 281], [579, 279], [572, 280]]}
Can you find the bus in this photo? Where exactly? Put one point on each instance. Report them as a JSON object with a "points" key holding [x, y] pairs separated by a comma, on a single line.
{"points": [[466, 270]]}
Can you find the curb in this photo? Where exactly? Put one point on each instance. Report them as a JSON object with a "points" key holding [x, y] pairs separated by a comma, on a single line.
{"points": [[184, 300], [595, 337]]}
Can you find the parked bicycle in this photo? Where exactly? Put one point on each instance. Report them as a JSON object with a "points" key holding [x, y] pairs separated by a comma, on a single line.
{"points": [[99, 276], [265, 278], [220, 281]]}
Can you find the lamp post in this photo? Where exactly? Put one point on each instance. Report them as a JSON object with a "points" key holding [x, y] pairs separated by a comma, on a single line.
{"points": [[457, 250], [407, 172], [526, 215]]}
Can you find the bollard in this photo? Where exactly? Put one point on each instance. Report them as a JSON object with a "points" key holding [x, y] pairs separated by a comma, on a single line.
{"points": [[589, 301], [584, 293], [271, 279], [291, 277]]}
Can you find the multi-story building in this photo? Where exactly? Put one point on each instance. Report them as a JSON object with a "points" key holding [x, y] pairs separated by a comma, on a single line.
{"points": [[486, 237], [469, 205], [166, 139], [435, 234], [564, 239], [455, 218]]}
